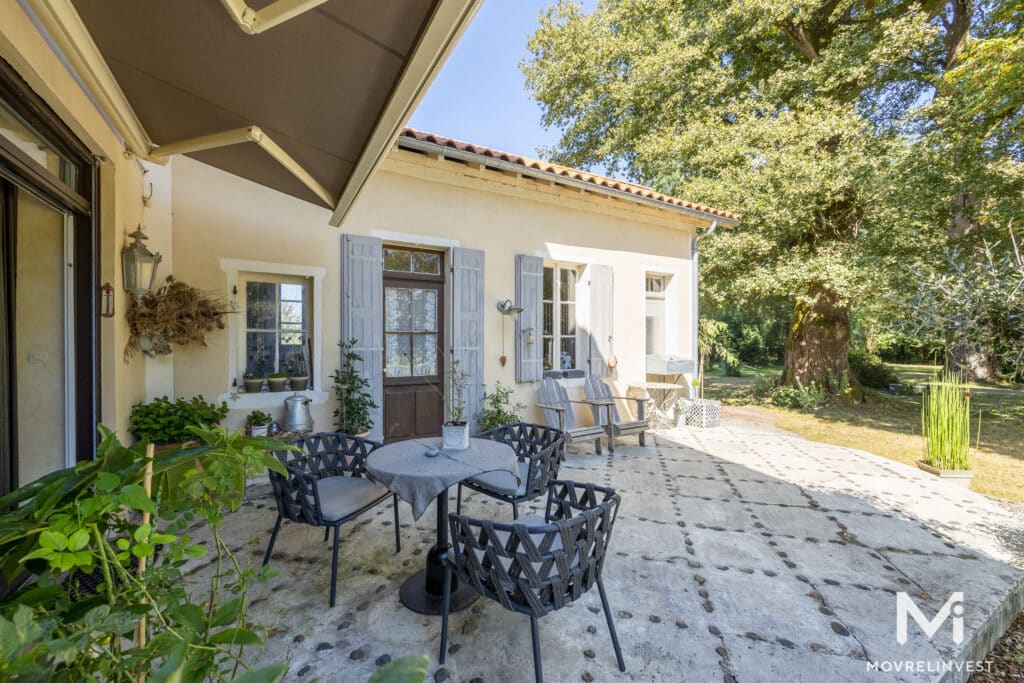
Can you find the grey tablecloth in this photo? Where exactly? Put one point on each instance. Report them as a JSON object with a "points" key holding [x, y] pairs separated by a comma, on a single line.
{"points": [[417, 479]]}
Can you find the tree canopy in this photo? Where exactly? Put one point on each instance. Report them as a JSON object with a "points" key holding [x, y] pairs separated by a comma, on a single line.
{"points": [[856, 138]]}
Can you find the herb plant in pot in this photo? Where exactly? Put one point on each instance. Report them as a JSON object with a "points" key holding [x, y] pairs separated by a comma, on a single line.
{"points": [[455, 432], [258, 423], [253, 382], [277, 380], [298, 374], [352, 416]]}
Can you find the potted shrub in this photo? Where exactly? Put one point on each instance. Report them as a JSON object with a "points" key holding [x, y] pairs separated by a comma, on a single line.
{"points": [[455, 432], [164, 422], [277, 380], [498, 409], [298, 374], [253, 382], [352, 416], [946, 428], [258, 423]]}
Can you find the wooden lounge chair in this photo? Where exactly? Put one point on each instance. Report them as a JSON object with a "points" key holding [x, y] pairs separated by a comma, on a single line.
{"points": [[607, 414], [557, 407]]}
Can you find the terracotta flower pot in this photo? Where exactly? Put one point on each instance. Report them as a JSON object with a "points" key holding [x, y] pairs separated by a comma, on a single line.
{"points": [[253, 386], [276, 383], [300, 383]]}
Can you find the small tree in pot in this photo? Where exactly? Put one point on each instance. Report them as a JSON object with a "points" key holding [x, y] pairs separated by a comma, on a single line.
{"points": [[352, 416], [455, 432]]}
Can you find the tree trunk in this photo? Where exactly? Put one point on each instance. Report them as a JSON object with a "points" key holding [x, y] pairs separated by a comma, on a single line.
{"points": [[972, 364], [819, 339]]}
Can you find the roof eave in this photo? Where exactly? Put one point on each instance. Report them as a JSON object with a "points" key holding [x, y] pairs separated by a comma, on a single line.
{"points": [[426, 147], [446, 25]]}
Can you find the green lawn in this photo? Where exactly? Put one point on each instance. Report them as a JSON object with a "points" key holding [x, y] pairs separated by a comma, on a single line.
{"points": [[891, 425]]}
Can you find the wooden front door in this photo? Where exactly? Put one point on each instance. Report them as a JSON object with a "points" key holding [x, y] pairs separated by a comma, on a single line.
{"points": [[413, 343]]}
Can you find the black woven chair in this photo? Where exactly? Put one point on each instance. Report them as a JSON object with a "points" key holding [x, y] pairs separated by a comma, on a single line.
{"points": [[327, 485], [536, 565], [540, 451]]}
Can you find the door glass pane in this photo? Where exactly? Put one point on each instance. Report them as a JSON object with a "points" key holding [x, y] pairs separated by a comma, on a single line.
{"points": [[567, 357], [428, 264], [549, 318], [17, 131], [568, 319], [549, 284], [424, 310], [398, 355], [549, 345], [41, 394], [567, 280], [397, 309], [424, 355], [397, 259]]}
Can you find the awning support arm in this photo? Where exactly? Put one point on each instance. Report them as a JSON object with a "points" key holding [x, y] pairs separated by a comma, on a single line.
{"points": [[257, 21], [238, 136]]}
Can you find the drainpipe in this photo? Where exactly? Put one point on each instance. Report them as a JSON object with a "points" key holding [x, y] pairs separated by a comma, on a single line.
{"points": [[695, 268]]}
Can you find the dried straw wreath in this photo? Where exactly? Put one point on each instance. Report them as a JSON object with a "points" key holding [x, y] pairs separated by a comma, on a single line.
{"points": [[176, 313]]}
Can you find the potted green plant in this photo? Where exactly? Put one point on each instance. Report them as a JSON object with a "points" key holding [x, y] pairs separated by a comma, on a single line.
{"points": [[297, 373], [352, 416], [277, 380], [258, 423], [946, 428], [455, 432], [253, 381], [498, 409]]}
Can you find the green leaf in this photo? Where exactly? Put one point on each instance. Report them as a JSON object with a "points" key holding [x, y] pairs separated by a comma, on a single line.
{"points": [[409, 669], [53, 540], [107, 481], [163, 538], [236, 636], [142, 549], [78, 540], [134, 496], [143, 532], [227, 612], [192, 616], [268, 674]]}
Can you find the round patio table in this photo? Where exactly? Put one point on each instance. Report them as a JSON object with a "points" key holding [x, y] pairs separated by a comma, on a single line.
{"points": [[417, 479]]}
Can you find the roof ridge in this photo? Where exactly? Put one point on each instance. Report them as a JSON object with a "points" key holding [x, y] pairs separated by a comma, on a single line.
{"points": [[557, 169]]}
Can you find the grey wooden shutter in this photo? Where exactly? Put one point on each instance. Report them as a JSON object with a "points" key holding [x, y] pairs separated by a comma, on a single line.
{"points": [[362, 314], [601, 318], [529, 323], [468, 325]]}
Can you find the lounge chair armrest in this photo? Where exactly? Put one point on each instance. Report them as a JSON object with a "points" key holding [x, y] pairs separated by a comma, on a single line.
{"points": [[547, 407], [594, 402]]}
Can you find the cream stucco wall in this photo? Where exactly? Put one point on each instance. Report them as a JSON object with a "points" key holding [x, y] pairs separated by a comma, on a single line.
{"points": [[416, 199], [120, 200]]}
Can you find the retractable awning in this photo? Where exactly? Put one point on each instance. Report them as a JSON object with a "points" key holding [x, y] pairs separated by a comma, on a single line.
{"points": [[303, 96]]}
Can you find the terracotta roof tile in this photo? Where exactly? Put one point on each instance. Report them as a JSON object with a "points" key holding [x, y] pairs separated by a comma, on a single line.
{"points": [[577, 174]]}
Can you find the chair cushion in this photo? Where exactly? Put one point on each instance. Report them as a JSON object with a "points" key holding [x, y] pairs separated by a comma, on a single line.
{"points": [[341, 496], [505, 482]]}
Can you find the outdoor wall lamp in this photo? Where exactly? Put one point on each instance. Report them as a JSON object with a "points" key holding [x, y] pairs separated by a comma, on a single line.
{"points": [[506, 308], [138, 265]]}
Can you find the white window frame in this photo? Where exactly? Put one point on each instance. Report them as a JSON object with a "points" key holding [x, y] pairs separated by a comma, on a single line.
{"points": [[244, 278], [237, 271], [556, 314], [662, 297]]}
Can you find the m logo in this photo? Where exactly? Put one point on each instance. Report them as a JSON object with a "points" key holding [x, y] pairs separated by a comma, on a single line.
{"points": [[905, 606]]}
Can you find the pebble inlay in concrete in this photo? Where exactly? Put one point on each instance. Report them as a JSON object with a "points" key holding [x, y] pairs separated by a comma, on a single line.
{"points": [[794, 552]]}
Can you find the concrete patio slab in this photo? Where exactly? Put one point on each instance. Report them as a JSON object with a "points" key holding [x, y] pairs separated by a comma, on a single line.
{"points": [[741, 553]]}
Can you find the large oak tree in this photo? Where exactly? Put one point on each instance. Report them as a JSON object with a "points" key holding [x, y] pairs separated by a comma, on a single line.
{"points": [[806, 116]]}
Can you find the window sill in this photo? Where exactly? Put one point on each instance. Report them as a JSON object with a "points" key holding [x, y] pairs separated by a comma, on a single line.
{"points": [[270, 399]]}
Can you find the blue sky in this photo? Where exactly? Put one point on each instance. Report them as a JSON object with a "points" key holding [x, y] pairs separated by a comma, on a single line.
{"points": [[480, 94]]}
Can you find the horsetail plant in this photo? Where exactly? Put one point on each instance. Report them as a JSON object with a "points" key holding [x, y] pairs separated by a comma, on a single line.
{"points": [[946, 423]]}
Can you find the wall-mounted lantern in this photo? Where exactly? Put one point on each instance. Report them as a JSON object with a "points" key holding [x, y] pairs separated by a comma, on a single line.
{"points": [[107, 300], [138, 265]]}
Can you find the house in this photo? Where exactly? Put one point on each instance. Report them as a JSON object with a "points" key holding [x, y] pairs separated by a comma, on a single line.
{"points": [[318, 218]]}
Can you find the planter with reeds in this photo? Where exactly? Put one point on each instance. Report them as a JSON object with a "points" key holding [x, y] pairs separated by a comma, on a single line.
{"points": [[946, 427]]}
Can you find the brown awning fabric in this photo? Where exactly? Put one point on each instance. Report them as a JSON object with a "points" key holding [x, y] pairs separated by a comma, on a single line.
{"points": [[317, 84]]}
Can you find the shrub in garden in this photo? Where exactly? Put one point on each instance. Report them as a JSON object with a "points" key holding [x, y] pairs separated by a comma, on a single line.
{"points": [[162, 421], [798, 397], [498, 409], [870, 371], [87, 524], [352, 390]]}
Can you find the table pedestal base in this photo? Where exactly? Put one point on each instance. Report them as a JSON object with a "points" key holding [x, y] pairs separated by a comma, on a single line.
{"points": [[415, 596]]}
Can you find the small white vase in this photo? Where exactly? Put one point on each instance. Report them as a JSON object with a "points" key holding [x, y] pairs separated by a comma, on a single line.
{"points": [[455, 437]]}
